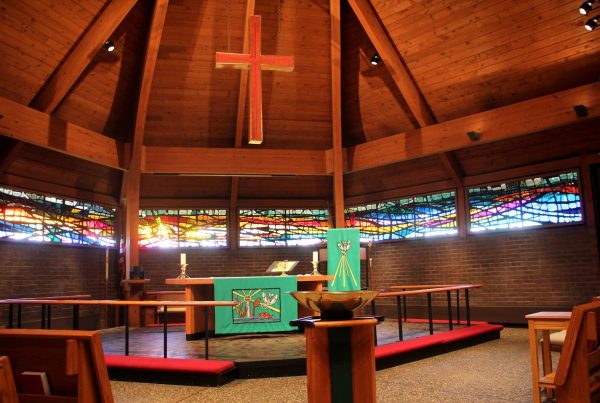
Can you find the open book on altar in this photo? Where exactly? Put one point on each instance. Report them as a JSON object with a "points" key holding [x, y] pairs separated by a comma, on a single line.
{"points": [[282, 266]]}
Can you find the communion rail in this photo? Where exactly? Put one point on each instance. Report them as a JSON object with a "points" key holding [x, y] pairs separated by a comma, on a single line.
{"points": [[46, 310], [164, 304], [428, 290]]}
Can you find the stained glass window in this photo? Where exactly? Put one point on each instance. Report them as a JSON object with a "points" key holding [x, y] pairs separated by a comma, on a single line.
{"points": [[182, 228], [531, 202], [413, 217], [32, 217], [282, 227]]}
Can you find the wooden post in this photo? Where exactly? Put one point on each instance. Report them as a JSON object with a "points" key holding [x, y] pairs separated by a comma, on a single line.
{"points": [[336, 114]]}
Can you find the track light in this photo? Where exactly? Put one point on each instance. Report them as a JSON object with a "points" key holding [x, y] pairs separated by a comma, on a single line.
{"points": [[376, 59], [586, 6], [109, 46], [581, 111], [592, 23], [474, 136]]}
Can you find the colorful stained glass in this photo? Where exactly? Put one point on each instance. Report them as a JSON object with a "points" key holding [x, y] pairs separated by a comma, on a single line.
{"points": [[182, 228], [413, 217], [283, 227], [32, 217], [531, 202]]}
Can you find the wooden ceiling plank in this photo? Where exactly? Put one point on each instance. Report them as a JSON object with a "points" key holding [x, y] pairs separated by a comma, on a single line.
{"points": [[31, 126], [233, 161], [502, 123], [56, 189], [132, 177], [393, 62], [63, 78]]}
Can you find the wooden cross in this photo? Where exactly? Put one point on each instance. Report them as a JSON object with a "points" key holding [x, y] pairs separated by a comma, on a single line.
{"points": [[255, 61]]}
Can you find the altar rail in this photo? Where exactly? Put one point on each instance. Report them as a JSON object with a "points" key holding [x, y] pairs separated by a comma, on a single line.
{"points": [[46, 311], [427, 290], [164, 304]]}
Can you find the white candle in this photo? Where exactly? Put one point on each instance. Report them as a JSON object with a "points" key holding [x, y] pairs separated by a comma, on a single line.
{"points": [[316, 256], [182, 258]]}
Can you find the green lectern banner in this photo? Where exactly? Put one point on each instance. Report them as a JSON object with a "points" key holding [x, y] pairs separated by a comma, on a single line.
{"points": [[343, 259], [264, 304]]}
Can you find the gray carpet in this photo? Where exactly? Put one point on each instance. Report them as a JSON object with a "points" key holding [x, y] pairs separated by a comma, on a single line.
{"points": [[496, 371]]}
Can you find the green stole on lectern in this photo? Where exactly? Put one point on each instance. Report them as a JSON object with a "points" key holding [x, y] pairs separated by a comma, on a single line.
{"points": [[264, 304], [343, 259]]}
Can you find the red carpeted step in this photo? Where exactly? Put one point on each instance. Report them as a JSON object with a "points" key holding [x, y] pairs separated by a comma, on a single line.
{"points": [[168, 364], [435, 339]]}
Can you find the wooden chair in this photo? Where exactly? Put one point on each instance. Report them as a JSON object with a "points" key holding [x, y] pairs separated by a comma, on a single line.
{"points": [[577, 376], [72, 360], [8, 390]]}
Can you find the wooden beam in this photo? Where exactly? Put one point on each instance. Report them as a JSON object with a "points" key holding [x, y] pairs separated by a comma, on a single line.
{"points": [[336, 113], [393, 62], [455, 171], [134, 172], [9, 152], [38, 128], [63, 78], [233, 161], [502, 123], [586, 188]]}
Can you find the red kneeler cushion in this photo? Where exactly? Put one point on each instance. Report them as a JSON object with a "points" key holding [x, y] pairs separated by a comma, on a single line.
{"points": [[435, 339], [168, 364]]}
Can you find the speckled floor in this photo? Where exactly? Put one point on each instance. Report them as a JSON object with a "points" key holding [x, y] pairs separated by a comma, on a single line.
{"points": [[496, 371]]}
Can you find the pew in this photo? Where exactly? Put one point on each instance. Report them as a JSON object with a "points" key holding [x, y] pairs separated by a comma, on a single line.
{"points": [[577, 376], [8, 390], [72, 360]]}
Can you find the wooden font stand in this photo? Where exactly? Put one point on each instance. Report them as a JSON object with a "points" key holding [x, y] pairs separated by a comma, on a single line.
{"points": [[340, 353]]}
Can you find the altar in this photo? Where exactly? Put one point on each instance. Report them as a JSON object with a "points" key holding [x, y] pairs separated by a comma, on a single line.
{"points": [[203, 289]]}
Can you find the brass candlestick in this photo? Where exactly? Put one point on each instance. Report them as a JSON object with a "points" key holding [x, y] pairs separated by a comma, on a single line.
{"points": [[315, 271], [183, 274]]}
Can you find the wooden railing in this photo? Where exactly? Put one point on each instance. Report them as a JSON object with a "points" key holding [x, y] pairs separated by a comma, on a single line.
{"points": [[164, 304], [428, 290], [46, 310]]}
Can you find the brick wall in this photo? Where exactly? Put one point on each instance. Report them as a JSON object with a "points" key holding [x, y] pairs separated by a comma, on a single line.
{"points": [[521, 271], [41, 270]]}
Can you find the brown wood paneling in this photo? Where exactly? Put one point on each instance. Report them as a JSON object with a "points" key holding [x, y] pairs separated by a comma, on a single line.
{"points": [[294, 187], [404, 174], [34, 37], [169, 186], [105, 96]]}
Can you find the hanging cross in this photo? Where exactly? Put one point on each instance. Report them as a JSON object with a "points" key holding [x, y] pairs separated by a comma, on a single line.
{"points": [[255, 61]]}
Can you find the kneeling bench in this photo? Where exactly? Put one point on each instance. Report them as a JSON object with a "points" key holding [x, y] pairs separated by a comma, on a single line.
{"points": [[181, 371]]}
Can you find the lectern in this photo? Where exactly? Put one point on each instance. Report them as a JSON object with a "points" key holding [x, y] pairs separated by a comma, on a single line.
{"points": [[340, 348], [340, 353]]}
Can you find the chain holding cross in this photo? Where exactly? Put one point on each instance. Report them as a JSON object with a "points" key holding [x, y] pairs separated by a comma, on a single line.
{"points": [[255, 62]]}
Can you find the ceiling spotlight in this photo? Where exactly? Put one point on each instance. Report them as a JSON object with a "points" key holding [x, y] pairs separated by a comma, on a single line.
{"points": [[581, 111], [592, 23], [586, 6], [376, 59], [109, 46], [474, 136]]}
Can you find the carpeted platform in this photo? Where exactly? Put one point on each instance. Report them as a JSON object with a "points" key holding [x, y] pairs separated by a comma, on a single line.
{"points": [[267, 355]]}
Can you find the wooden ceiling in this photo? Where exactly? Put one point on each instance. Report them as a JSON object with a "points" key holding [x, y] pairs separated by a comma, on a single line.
{"points": [[511, 70]]}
